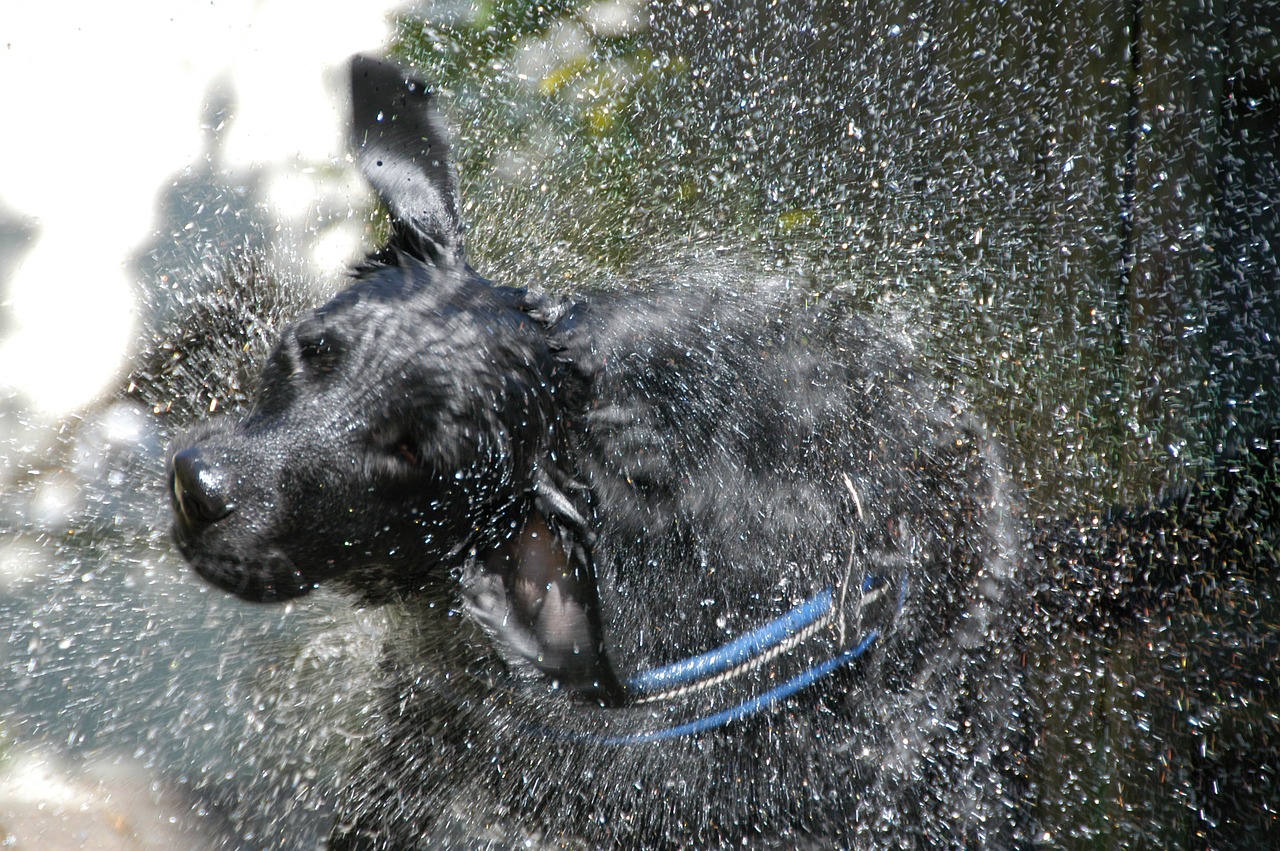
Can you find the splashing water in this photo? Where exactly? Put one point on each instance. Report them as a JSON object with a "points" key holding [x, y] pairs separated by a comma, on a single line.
{"points": [[1072, 214]]}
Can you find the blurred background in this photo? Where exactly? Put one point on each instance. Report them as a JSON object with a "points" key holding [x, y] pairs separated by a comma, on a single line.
{"points": [[1072, 207]]}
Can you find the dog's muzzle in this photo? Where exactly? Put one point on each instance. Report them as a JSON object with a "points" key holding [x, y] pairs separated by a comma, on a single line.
{"points": [[208, 532], [200, 491]]}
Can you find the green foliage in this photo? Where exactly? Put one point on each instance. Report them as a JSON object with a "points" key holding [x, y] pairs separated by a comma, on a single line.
{"points": [[551, 109]]}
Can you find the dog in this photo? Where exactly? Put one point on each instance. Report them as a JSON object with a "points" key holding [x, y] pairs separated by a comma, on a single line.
{"points": [[711, 564]]}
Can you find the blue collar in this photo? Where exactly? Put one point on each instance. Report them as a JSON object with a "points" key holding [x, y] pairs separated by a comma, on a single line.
{"points": [[748, 652]]}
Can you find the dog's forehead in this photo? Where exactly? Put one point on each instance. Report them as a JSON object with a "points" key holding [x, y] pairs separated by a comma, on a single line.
{"points": [[411, 281], [379, 328], [387, 290], [389, 302]]}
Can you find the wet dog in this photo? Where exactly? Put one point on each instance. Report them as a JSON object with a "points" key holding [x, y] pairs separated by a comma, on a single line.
{"points": [[707, 565]]}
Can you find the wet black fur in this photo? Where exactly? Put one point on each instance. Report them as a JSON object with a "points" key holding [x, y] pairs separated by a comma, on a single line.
{"points": [[607, 483]]}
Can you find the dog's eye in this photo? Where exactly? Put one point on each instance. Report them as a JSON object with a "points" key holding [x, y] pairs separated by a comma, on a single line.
{"points": [[407, 451], [318, 353], [402, 448]]}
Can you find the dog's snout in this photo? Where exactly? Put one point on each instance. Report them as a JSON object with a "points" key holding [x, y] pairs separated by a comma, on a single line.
{"points": [[200, 489]]}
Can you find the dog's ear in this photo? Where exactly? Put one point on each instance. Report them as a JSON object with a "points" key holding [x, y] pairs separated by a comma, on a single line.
{"points": [[401, 142]]}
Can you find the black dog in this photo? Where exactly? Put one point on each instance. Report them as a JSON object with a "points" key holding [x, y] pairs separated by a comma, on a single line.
{"points": [[730, 570]]}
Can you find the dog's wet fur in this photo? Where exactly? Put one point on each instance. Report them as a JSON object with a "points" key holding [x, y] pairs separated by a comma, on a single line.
{"points": [[558, 493]]}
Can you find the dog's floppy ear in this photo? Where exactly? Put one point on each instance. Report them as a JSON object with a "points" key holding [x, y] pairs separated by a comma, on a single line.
{"points": [[401, 142]]}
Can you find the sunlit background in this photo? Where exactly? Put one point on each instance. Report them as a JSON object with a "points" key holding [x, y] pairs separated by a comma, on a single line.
{"points": [[107, 109]]}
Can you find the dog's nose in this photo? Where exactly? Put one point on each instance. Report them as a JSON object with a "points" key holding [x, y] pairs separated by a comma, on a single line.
{"points": [[199, 489]]}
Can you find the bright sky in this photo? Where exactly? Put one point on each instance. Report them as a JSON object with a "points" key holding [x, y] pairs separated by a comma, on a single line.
{"points": [[102, 105]]}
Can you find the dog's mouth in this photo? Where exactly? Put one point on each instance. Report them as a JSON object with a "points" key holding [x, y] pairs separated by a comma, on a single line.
{"points": [[270, 577]]}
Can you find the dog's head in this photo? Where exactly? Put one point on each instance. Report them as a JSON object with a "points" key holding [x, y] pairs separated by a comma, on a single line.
{"points": [[394, 426]]}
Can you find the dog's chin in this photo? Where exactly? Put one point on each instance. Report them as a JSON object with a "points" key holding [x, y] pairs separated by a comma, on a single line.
{"points": [[271, 578]]}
